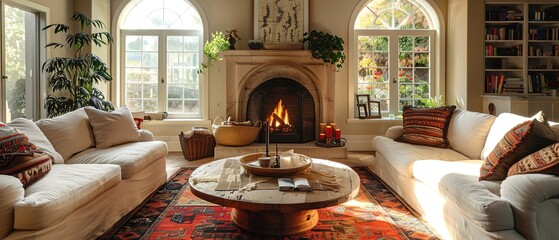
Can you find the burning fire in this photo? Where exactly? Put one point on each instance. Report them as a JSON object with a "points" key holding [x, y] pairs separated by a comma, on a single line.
{"points": [[279, 116]]}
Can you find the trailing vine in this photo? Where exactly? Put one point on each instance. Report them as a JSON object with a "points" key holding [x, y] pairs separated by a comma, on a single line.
{"points": [[326, 47]]}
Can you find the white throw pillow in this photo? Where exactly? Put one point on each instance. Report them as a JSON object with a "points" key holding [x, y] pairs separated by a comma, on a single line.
{"points": [[112, 128], [69, 133], [467, 132], [35, 136]]}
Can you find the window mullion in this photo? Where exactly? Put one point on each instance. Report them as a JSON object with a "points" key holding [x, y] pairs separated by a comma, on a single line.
{"points": [[393, 66]]}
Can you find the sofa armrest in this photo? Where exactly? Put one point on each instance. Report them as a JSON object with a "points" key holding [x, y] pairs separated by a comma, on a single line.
{"points": [[394, 132], [145, 135], [11, 191], [534, 199]]}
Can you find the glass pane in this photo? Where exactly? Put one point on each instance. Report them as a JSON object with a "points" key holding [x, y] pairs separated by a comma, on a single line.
{"points": [[405, 43], [149, 75], [364, 44], [191, 92], [20, 48], [134, 105], [133, 59], [421, 44], [149, 59], [174, 91], [174, 43], [422, 91], [150, 43], [421, 75], [150, 106], [380, 91], [133, 43], [162, 14], [381, 75], [133, 74], [133, 90], [421, 60], [191, 44], [365, 59], [406, 91], [381, 14], [406, 59], [405, 75], [381, 60], [403, 103], [381, 43], [150, 91], [192, 106], [175, 106]]}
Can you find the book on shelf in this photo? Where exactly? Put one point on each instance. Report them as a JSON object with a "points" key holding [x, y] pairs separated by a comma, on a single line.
{"points": [[294, 184]]}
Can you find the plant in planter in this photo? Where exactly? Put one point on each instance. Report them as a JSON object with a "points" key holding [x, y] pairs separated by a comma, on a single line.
{"points": [[74, 76], [327, 47], [212, 50]]}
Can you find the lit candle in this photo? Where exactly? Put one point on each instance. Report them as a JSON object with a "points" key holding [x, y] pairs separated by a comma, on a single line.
{"points": [[321, 137], [333, 126], [322, 127], [338, 134], [328, 131]]}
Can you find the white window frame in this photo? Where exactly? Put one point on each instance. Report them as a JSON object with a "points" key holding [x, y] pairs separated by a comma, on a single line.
{"points": [[162, 67]]}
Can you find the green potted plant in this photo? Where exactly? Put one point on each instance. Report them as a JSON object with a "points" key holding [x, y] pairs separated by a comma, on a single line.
{"points": [[74, 76], [327, 47], [212, 50]]}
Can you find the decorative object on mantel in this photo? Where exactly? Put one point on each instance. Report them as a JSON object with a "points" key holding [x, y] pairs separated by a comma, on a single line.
{"points": [[212, 50], [255, 44], [231, 133], [73, 78], [326, 47], [281, 24], [232, 38], [330, 136]]}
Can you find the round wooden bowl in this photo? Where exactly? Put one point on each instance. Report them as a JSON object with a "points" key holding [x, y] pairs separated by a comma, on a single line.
{"points": [[288, 165]]}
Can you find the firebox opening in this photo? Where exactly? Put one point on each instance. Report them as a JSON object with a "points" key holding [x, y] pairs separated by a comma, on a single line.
{"points": [[287, 107]]}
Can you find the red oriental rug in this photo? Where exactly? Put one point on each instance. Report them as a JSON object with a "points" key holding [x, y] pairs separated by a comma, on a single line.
{"points": [[173, 212]]}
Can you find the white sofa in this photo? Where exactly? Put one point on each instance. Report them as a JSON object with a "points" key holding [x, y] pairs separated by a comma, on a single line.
{"points": [[87, 190], [443, 186]]}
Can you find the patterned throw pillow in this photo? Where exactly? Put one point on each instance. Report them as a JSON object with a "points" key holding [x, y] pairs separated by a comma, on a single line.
{"points": [[545, 160], [20, 158], [519, 142], [28, 169], [13, 144], [426, 126]]}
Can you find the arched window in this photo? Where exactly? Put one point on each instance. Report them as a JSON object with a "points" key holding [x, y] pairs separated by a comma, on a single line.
{"points": [[394, 42], [162, 45]]}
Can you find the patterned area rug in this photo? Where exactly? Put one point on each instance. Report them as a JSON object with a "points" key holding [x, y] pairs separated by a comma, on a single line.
{"points": [[173, 212]]}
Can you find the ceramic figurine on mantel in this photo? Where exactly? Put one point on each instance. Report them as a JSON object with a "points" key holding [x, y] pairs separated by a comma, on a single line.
{"points": [[232, 37]]}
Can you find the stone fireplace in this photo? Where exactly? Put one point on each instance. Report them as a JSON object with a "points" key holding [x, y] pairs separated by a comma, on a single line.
{"points": [[257, 79]]}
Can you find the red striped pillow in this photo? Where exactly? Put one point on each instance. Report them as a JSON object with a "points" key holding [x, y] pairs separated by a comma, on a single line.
{"points": [[426, 126], [546, 160]]}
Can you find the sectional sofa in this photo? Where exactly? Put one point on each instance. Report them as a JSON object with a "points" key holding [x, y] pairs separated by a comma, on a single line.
{"points": [[95, 179], [443, 184]]}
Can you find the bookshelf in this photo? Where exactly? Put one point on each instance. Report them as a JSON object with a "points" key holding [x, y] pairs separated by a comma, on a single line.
{"points": [[521, 48], [521, 57]]}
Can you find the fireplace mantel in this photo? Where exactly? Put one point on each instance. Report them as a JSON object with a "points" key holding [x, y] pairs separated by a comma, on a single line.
{"points": [[247, 69]]}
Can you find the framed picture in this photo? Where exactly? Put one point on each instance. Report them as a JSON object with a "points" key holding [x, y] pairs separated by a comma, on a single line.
{"points": [[362, 99], [374, 109], [280, 22], [362, 110]]}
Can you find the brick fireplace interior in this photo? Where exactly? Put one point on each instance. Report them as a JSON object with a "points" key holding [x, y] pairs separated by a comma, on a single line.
{"points": [[284, 105]]}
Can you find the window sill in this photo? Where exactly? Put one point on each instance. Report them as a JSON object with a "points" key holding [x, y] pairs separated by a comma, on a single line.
{"points": [[357, 121]]}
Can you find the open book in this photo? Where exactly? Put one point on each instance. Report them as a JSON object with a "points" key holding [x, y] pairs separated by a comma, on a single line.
{"points": [[294, 184]]}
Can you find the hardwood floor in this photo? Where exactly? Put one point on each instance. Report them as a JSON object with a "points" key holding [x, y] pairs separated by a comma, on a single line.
{"points": [[175, 160]]}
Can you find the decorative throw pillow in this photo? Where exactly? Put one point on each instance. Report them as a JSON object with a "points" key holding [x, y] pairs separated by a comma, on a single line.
{"points": [[28, 169], [36, 136], [517, 143], [546, 160], [13, 144], [112, 128], [426, 126]]}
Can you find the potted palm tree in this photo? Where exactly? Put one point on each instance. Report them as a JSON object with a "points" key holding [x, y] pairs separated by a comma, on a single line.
{"points": [[73, 77]]}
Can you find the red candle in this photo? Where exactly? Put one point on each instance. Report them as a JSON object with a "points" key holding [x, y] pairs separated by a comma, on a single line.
{"points": [[328, 131], [321, 137], [338, 134]]}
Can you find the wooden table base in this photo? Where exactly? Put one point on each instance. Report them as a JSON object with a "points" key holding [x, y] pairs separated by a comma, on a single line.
{"points": [[275, 223]]}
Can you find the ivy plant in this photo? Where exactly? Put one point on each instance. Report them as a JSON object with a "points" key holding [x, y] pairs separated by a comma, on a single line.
{"points": [[326, 47], [212, 50], [74, 75]]}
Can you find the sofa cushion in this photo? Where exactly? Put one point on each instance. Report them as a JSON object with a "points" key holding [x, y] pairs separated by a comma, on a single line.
{"points": [[467, 132], [69, 133], [517, 143], [13, 144], [35, 136], [112, 128], [131, 157], [546, 160], [457, 182], [406, 154], [66, 188], [503, 123], [11, 191], [426, 126]]}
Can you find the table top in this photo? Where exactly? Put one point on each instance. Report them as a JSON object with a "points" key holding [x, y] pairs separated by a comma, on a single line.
{"points": [[273, 199]]}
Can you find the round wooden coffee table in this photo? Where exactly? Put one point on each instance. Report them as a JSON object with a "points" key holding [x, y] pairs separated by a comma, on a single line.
{"points": [[273, 212]]}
